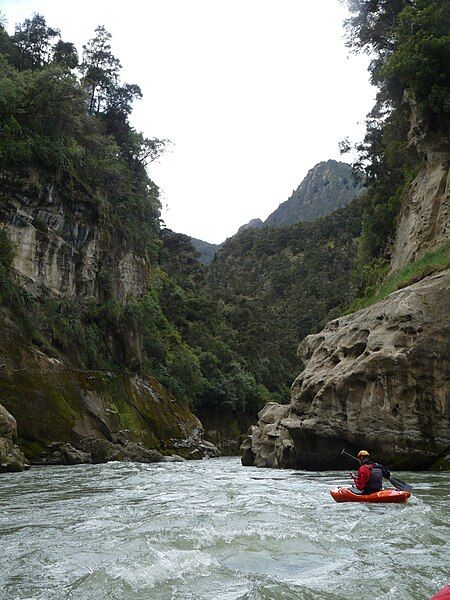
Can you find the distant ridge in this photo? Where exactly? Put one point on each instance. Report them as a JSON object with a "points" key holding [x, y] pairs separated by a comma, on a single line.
{"points": [[253, 224], [328, 186], [206, 250]]}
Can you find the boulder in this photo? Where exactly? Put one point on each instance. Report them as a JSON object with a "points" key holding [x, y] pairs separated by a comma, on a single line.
{"points": [[11, 458], [174, 458]]}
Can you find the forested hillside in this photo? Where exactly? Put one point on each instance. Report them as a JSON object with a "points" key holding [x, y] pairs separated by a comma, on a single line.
{"points": [[279, 284], [378, 377], [328, 186], [112, 329], [107, 288], [206, 250], [408, 126]]}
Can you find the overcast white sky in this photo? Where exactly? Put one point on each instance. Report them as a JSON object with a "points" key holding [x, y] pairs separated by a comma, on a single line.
{"points": [[252, 93]]}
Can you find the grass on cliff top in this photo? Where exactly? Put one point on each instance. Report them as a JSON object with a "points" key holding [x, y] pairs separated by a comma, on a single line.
{"points": [[429, 263]]}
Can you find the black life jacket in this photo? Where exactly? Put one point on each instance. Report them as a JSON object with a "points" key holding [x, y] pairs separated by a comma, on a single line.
{"points": [[375, 483], [384, 470]]}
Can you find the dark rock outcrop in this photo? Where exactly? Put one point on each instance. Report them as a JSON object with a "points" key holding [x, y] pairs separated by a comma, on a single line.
{"points": [[378, 379], [327, 187], [11, 458], [252, 224]]}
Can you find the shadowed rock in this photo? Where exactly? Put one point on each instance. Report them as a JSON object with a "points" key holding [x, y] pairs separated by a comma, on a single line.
{"points": [[11, 458]]}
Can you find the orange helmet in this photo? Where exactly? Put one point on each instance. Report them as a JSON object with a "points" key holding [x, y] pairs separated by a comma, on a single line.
{"points": [[362, 453]]}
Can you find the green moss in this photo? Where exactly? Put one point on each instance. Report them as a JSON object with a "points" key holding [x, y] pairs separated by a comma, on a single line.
{"points": [[44, 405], [429, 263], [32, 448]]}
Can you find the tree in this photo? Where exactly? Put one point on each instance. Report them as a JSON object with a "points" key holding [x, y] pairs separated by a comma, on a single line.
{"points": [[100, 70], [34, 40], [409, 45], [65, 53]]}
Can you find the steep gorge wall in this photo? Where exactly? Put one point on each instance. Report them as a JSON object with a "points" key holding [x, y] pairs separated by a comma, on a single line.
{"points": [[423, 223], [51, 405], [63, 247], [378, 378]]}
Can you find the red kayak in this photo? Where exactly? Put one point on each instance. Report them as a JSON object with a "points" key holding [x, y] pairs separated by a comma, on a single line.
{"points": [[346, 495]]}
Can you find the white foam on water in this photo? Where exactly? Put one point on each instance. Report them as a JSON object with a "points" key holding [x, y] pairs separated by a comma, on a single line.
{"points": [[166, 566], [214, 530]]}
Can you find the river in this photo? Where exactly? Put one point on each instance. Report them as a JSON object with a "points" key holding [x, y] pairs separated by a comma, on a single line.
{"points": [[214, 530]]}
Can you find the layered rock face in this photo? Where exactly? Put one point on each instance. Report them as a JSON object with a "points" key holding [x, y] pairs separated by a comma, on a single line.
{"points": [[62, 248], [68, 415], [424, 219], [378, 379]]}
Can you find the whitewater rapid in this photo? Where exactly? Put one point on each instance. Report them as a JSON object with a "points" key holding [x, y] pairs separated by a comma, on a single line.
{"points": [[214, 530]]}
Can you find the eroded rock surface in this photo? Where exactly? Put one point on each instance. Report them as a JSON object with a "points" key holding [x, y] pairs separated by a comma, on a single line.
{"points": [[62, 248], [11, 458], [377, 379], [423, 222]]}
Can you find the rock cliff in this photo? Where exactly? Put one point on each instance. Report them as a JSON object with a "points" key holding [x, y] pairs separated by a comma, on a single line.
{"points": [[63, 247], [424, 217], [378, 378], [69, 415], [65, 250], [328, 186]]}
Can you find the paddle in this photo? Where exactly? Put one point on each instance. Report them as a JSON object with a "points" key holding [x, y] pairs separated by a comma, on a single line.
{"points": [[397, 483]]}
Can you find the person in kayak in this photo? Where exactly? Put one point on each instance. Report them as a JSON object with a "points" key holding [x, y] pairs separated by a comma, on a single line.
{"points": [[370, 474]]}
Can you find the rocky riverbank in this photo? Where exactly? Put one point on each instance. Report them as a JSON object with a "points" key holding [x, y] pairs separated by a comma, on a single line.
{"points": [[64, 415]]}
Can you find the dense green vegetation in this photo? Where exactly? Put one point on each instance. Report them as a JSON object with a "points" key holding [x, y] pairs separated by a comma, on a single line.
{"points": [[206, 250], [280, 284], [409, 43], [224, 338]]}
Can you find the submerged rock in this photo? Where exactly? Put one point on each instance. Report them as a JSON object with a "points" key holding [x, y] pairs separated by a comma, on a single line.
{"points": [[376, 379], [174, 458], [195, 446]]}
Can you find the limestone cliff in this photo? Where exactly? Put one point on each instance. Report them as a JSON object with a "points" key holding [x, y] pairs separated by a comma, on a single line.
{"points": [[64, 248], [378, 378], [424, 219]]}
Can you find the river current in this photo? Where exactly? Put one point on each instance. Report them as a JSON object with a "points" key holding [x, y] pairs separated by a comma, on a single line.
{"points": [[214, 530]]}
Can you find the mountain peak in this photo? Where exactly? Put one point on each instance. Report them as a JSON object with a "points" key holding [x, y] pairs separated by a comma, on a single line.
{"points": [[252, 224], [329, 185]]}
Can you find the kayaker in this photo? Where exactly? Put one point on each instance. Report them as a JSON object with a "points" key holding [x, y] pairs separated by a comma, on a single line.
{"points": [[370, 474]]}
